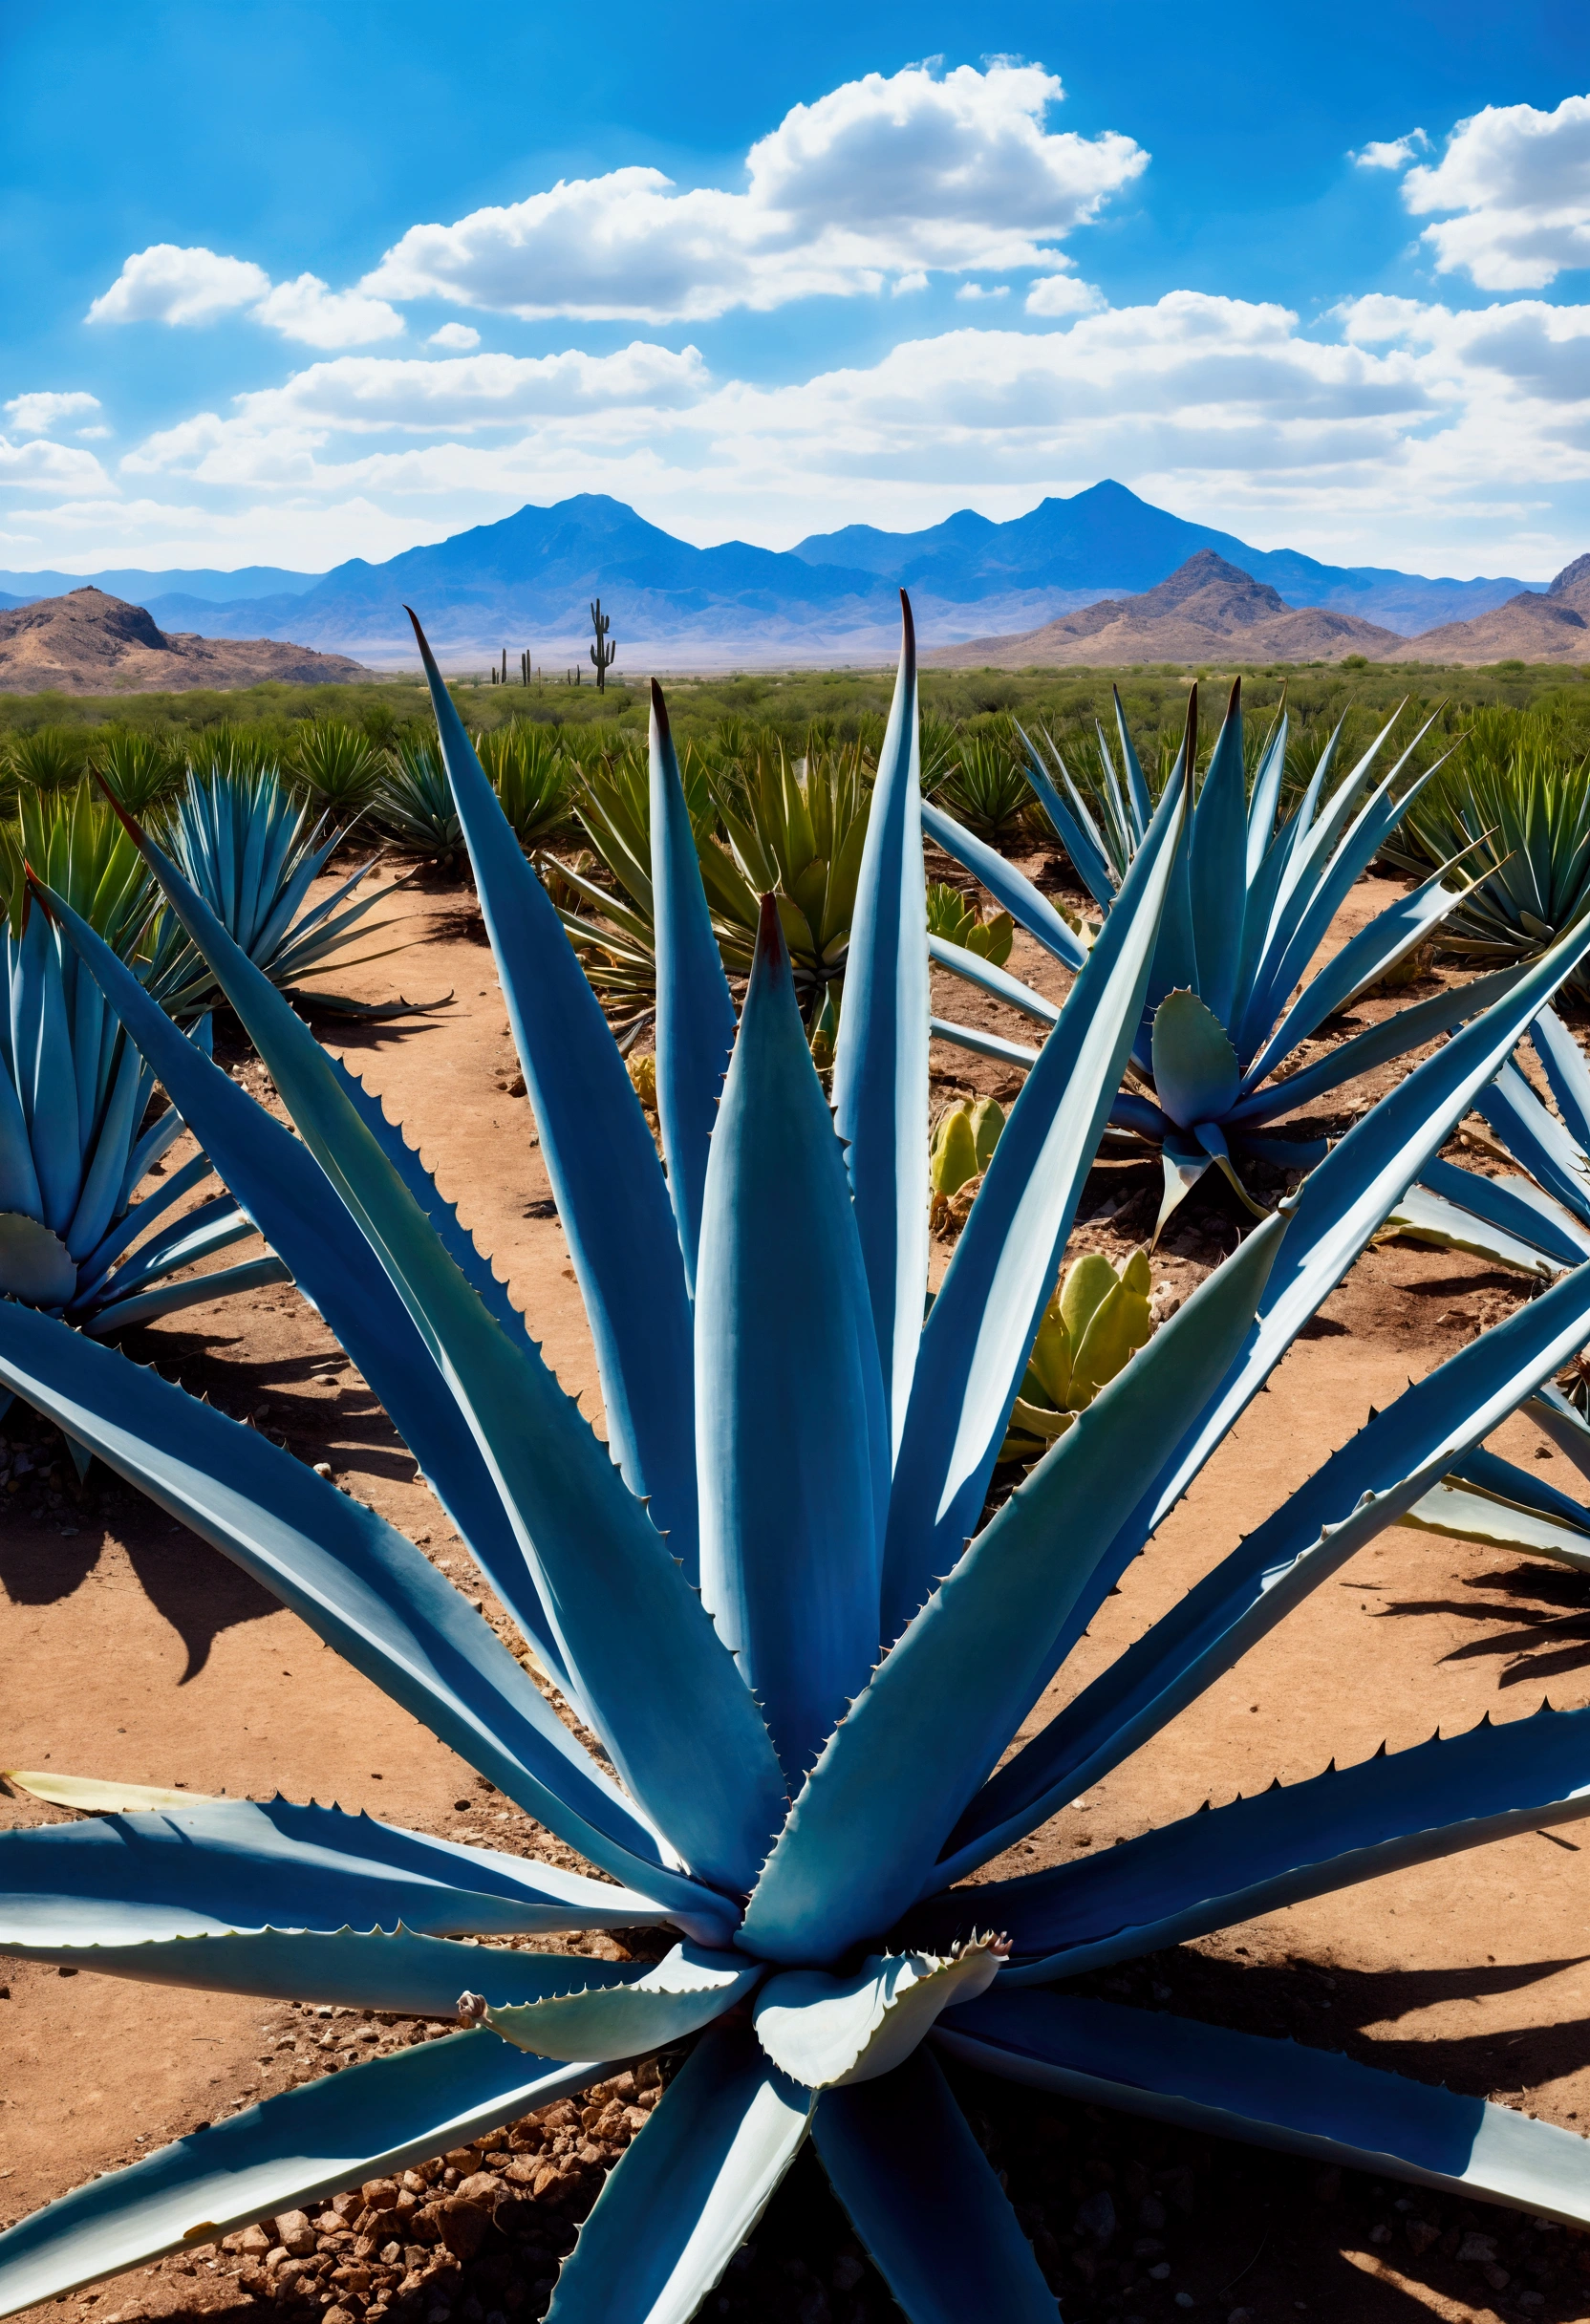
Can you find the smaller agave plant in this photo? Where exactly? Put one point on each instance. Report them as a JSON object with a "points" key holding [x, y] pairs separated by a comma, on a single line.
{"points": [[1094, 1324], [1251, 902], [75, 1144], [413, 805], [251, 849], [806, 1672]]}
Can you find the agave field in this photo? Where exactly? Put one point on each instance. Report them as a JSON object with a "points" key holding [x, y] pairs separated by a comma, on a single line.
{"points": [[793, 1684]]}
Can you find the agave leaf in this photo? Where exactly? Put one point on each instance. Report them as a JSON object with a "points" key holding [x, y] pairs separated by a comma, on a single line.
{"points": [[1273, 2094], [1009, 888], [1216, 868], [621, 2015], [695, 1022], [605, 1178], [1566, 1072], [665, 1697], [1078, 832], [367, 1969], [1428, 1218], [1194, 1066], [198, 1290], [894, 1775], [93, 1795], [983, 973], [977, 1338], [204, 1867], [1362, 962], [1516, 1203], [688, 2191], [793, 1447], [924, 2200], [1550, 1409], [880, 1067], [1546, 1149], [346, 2127], [981, 1044], [347, 1573], [280, 1185], [1267, 783], [1361, 1489], [830, 2031], [1464, 1511], [1213, 1869], [1393, 1037]]}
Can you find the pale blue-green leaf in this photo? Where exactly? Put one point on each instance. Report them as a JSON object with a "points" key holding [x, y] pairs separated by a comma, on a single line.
{"points": [[973, 1038], [1266, 798], [863, 1837], [206, 1867], [1217, 879], [1547, 1150], [282, 1187], [1566, 1072], [330, 2133], [1362, 962], [1234, 1864], [364, 1968], [880, 1065], [977, 1338], [1393, 1037], [1465, 1512], [829, 2031], [924, 2200], [1424, 1217], [793, 1449], [1183, 1162], [644, 2009], [352, 1577], [696, 1020], [1074, 827], [975, 970], [661, 1691], [1364, 1487], [1011, 890], [194, 1291], [607, 1181], [1194, 1066], [1274, 2094], [688, 2191]]}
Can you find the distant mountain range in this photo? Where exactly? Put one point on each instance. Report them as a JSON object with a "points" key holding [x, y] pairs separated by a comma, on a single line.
{"points": [[527, 580], [87, 642]]}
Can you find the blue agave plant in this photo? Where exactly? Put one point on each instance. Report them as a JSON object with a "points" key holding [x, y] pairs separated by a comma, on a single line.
{"points": [[771, 1596], [251, 849], [75, 1149], [1248, 906]]}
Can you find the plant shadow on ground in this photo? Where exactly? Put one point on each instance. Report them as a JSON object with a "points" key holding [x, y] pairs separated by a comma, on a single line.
{"points": [[1538, 1617]]}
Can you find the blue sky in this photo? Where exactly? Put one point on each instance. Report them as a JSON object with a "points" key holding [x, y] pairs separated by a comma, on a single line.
{"points": [[1324, 280]]}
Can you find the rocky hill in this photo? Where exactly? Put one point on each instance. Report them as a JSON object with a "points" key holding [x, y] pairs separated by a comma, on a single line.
{"points": [[87, 642], [1553, 627], [1207, 610]]}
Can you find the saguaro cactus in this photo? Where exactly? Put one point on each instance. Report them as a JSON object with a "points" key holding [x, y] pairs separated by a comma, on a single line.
{"points": [[602, 654]]}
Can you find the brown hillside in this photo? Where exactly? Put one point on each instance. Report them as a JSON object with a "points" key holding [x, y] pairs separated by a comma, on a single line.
{"points": [[1207, 610], [1528, 627], [87, 642]]}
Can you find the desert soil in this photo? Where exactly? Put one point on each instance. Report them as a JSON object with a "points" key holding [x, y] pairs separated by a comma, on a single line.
{"points": [[132, 1651]]}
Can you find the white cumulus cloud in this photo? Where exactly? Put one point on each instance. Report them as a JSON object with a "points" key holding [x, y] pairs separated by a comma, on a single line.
{"points": [[459, 336], [166, 284], [50, 467], [1520, 180], [1392, 153], [1062, 294], [35, 415], [309, 311], [883, 177]]}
